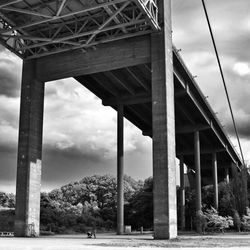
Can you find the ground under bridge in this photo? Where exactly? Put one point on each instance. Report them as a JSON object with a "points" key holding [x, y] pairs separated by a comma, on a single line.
{"points": [[122, 51]]}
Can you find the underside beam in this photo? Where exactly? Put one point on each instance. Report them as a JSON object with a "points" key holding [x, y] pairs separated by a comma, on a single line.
{"points": [[107, 57]]}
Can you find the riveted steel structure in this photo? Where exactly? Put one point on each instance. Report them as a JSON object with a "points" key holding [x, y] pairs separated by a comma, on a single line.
{"points": [[122, 51]]}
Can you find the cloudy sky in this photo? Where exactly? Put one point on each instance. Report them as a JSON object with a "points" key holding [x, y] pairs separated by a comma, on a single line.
{"points": [[80, 134]]}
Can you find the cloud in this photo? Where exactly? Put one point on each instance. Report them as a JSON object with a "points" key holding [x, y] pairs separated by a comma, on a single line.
{"points": [[242, 68], [80, 134], [10, 74], [76, 120], [230, 24], [9, 122]]}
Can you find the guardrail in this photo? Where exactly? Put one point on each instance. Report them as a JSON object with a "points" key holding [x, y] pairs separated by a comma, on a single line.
{"points": [[6, 234]]}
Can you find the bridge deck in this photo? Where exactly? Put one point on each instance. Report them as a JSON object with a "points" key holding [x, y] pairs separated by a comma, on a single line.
{"points": [[35, 28]]}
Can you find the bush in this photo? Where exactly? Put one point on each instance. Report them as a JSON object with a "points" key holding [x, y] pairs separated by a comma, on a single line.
{"points": [[245, 223], [215, 222]]}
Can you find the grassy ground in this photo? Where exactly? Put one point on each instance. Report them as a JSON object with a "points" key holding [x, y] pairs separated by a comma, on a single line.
{"points": [[113, 242]]}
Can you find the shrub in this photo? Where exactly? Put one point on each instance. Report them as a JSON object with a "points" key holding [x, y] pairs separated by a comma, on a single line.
{"points": [[215, 222], [245, 223]]}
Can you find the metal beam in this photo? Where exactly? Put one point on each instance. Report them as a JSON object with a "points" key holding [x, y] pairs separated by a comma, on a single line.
{"points": [[100, 28], [7, 3], [61, 7], [25, 11], [79, 35], [150, 10], [54, 18]]}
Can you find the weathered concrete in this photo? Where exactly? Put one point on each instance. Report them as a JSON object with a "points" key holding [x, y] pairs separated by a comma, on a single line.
{"points": [[108, 57], [165, 218], [197, 177], [182, 193], [120, 170], [29, 153], [215, 181]]}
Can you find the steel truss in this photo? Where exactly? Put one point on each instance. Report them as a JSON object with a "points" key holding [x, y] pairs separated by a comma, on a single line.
{"points": [[37, 28]]}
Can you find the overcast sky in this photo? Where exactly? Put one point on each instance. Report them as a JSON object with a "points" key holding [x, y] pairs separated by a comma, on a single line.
{"points": [[80, 134]]}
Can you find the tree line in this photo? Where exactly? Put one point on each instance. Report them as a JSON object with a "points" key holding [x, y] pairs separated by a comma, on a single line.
{"points": [[91, 202]]}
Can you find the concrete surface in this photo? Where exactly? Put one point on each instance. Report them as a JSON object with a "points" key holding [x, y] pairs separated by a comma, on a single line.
{"points": [[122, 242]]}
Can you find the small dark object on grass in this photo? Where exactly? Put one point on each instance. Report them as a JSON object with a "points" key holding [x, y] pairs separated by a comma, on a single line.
{"points": [[90, 234]]}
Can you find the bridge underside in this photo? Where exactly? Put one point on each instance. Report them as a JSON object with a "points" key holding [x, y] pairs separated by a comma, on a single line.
{"points": [[37, 28], [121, 50], [131, 86]]}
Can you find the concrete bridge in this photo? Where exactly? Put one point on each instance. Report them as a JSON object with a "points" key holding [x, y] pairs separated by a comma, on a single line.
{"points": [[122, 51]]}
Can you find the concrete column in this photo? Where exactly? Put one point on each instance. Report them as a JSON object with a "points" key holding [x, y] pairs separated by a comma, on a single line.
{"points": [[182, 193], [120, 171], [164, 168], [234, 170], [215, 181], [227, 178], [29, 153], [197, 176]]}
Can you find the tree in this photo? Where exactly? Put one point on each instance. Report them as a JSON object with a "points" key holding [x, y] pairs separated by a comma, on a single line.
{"points": [[139, 210]]}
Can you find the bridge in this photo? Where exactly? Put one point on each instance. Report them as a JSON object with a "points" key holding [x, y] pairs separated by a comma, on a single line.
{"points": [[122, 51]]}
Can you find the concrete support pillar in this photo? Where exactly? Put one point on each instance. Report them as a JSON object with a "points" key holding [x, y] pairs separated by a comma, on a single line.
{"points": [[227, 178], [29, 153], [234, 170], [215, 181], [120, 171], [197, 176], [164, 168], [182, 193]]}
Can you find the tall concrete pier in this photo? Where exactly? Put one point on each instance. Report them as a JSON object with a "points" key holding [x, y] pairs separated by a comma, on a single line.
{"points": [[29, 153], [164, 168]]}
